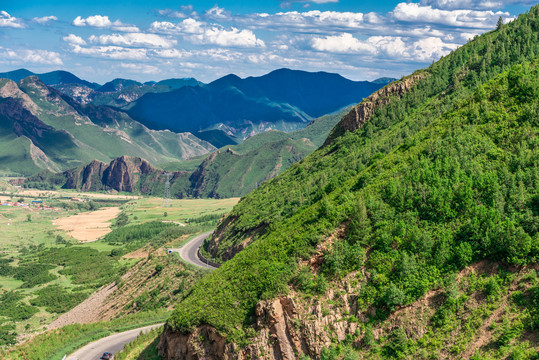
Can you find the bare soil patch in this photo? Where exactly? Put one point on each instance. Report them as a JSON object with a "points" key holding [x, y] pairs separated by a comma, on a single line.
{"points": [[138, 254], [88, 226]]}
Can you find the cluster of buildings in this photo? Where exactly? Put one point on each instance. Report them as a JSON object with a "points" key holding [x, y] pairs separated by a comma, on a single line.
{"points": [[38, 204], [8, 203]]}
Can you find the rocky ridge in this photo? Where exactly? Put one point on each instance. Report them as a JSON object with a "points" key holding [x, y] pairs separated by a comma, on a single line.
{"points": [[360, 114], [121, 174]]}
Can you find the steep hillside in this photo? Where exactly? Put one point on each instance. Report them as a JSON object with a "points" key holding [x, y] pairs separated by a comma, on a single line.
{"points": [[363, 247], [43, 129], [282, 100]]}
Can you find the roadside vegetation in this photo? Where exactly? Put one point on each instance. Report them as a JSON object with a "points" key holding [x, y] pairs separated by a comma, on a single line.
{"points": [[54, 344], [144, 347]]}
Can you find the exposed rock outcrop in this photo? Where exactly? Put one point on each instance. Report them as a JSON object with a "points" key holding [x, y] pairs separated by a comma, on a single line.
{"points": [[124, 172], [121, 174], [286, 328], [360, 114]]}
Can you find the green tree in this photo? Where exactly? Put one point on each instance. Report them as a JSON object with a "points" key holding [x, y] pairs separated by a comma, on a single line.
{"points": [[499, 24]]}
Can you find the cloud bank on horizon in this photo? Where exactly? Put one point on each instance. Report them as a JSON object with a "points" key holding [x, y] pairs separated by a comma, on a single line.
{"points": [[208, 43]]}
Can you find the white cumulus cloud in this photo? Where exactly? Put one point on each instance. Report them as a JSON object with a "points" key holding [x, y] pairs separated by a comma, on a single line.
{"points": [[24, 56], [74, 39], [413, 12], [203, 33], [310, 21], [103, 22], [223, 37], [134, 40], [7, 20], [45, 19], [344, 43], [111, 52], [395, 47]]}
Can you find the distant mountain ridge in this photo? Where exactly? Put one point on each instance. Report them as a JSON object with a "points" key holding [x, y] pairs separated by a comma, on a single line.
{"points": [[40, 128], [57, 77], [281, 100], [117, 92]]}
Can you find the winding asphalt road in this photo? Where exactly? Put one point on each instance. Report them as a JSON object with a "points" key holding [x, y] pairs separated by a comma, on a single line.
{"points": [[112, 343], [189, 252], [116, 342]]}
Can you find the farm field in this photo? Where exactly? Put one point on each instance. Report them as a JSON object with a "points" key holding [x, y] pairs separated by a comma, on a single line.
{"points": [[56, 253], [88, 226]]}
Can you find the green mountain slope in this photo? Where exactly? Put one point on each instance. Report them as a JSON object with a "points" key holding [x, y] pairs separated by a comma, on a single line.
{"points": [[237, 170], [65, 134], [442, 173]]}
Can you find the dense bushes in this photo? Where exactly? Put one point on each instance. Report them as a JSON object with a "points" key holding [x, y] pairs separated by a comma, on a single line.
{"points": [[84, 265], [31, 274], [13, 308], [57, 299]]}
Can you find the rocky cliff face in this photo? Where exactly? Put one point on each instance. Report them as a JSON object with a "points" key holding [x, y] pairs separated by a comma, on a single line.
{"points": [[199, 177], [121, 174], [87, 178], [360, 114], [295, 326], [124, 173], [286, 328]]}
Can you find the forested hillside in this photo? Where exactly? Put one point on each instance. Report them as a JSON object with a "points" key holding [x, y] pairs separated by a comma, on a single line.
{"points": [[401, 209]]}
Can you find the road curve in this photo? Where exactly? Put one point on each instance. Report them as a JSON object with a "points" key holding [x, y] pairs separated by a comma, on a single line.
{"points": [[112, 343], [189, 252]]}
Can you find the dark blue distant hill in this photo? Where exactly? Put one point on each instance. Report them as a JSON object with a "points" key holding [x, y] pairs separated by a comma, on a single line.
{"points": [[57, 77], [283, 99], [178, 83], [117, 85]]}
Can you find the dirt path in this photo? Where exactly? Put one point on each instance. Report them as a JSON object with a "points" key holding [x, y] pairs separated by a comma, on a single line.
{"points": [[88, 226]]}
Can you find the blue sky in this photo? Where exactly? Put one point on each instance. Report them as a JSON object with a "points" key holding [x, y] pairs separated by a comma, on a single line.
{"points": [[100, 40]]}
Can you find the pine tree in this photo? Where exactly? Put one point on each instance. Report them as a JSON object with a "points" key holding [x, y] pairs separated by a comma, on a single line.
{"points": [[499, 25]]}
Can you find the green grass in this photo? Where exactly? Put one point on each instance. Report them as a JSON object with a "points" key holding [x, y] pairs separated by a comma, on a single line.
{"points": [[21, 232], [8, 283], [181, 210], [144, 347]]}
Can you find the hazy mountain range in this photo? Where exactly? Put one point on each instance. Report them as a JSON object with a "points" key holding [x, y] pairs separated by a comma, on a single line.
{"points": [[57, 121]]}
